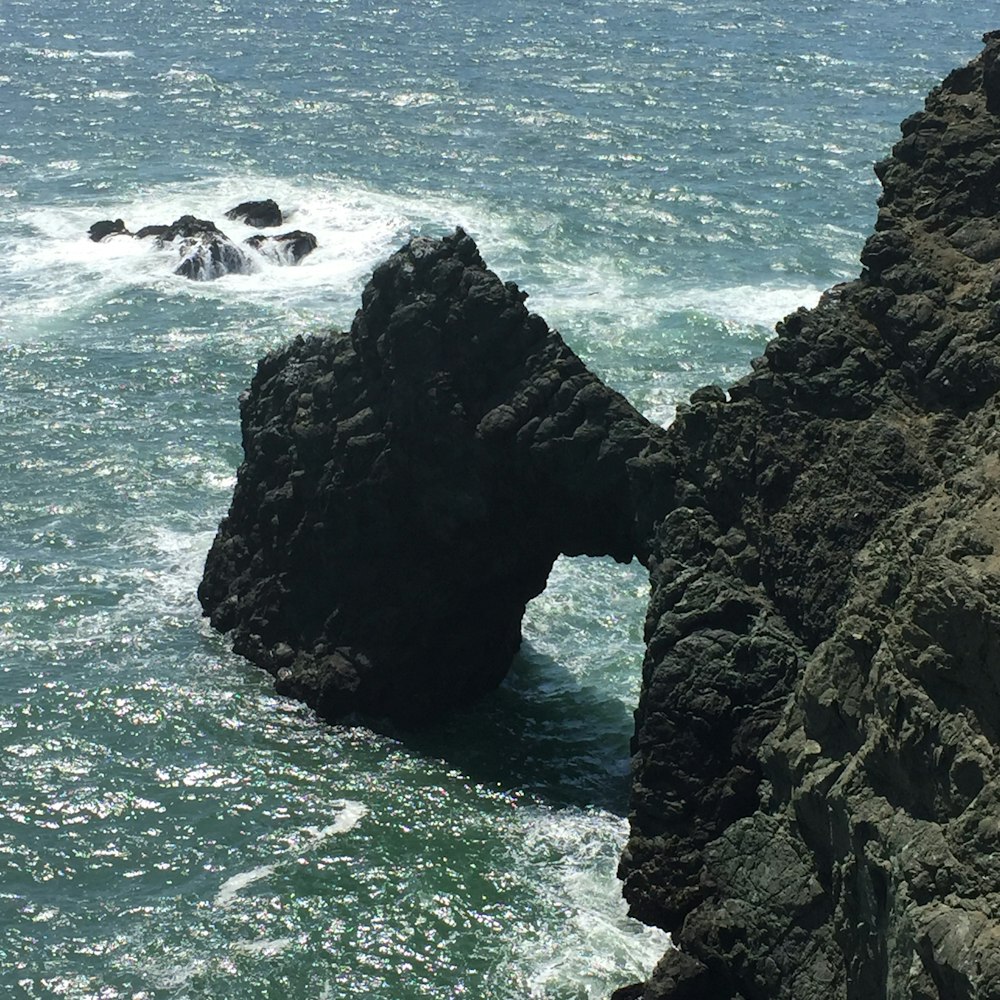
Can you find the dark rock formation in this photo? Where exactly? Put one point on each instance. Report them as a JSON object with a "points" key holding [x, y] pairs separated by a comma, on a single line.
{"points": [[816, 780], [106, 227], [259, 214], [815, 770], [451, 444], [147, 231], [288, 248], [206, 252]]}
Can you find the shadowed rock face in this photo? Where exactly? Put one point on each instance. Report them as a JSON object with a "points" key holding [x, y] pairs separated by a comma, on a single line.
{"points": [[816, 790], [407, 487]]}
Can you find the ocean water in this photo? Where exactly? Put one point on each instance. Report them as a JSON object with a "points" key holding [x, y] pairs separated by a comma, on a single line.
{"points": [[666, 180]]}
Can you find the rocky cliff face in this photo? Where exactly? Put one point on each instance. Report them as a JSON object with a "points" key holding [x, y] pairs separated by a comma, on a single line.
{"points": [[815, 771], [815, 779]]}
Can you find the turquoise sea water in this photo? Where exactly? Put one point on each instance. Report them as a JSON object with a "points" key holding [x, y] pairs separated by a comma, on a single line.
{"points": [[665, 179]]}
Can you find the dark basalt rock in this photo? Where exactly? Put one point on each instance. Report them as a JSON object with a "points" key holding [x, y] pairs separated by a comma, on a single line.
{"points": [[148, 231], [816, 771], [259, 214], [450, 429], [816, 774], [288, 248], [206, 252], [106, 227]]}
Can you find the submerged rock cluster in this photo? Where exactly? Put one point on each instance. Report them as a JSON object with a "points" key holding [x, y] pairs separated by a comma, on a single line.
{"points": [[815, 808], [206, 252]]}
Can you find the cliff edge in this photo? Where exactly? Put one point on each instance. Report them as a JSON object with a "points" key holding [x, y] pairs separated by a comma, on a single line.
{"points": [[814, 809]]}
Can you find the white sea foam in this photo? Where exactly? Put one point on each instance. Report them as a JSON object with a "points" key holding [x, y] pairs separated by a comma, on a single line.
{"points": [[308, 839], [233, 886], [264, 947], [573, 856], [170, 579], [355, 227], [115, 54], [598, 287], [351, 813], [749, 305], [112, 95]]}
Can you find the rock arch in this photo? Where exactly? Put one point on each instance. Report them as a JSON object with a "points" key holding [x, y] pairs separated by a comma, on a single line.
{"points": [[816, 764], [407, 486]]}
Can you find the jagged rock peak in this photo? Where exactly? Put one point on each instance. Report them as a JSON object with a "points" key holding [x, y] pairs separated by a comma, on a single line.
{"points": [[407, 486]]}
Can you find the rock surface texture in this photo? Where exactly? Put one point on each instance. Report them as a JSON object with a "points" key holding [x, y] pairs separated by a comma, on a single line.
{"points": [[816, 786]]}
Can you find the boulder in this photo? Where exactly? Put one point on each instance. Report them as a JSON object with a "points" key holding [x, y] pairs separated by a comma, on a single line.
{"points": [[450, 444], [259, 214], [100, 231], [206, 252], [288, 248]]}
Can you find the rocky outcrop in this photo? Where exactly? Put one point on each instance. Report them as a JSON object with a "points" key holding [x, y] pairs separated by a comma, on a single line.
{"points": [[106, 228], [815, 770], [206, 252], [288, 248], [259, 214], [815, 773], [407, 487]]}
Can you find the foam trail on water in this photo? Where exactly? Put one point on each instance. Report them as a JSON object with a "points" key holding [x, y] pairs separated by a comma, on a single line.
{"points": [[351, 814], [309, 839], [233, 886], [265, 947], [749, 305]]}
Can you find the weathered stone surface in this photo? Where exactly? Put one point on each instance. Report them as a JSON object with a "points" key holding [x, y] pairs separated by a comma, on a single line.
{"points": [[816, 785], [407, 487]]}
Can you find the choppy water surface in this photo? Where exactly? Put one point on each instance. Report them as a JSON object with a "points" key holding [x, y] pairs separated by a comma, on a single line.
{"points": [[665, 179]]}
